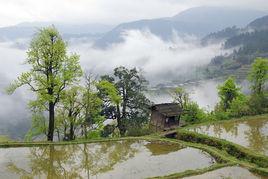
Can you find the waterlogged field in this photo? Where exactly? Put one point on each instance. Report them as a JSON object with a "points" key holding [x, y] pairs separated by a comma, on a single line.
{"points": [[251, 133], [228, 172], [117, 159]]}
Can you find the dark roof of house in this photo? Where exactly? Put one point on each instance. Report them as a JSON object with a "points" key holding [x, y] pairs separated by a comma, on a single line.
{"points": [[167, 109]]}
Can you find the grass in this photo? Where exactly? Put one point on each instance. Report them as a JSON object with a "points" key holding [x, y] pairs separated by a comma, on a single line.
{"points": [[232, 149], [4, 139]]}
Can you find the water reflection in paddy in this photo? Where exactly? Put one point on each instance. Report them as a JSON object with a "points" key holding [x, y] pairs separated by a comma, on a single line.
{"points": [[252, 133], [228, 172], [121, 159]]}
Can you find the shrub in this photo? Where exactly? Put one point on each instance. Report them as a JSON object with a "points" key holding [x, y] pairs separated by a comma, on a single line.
{"points": [[138, 130], [239, 107], [94, 134], [221, 115], [258, 103], [193, 113]]}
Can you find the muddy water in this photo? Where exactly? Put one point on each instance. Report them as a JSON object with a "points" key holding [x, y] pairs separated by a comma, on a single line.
{"points": [[122, 159], [228, 172], [252, 133]]}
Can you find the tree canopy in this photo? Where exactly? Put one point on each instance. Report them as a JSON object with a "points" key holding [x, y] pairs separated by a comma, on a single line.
{"points": [[51, 72]]}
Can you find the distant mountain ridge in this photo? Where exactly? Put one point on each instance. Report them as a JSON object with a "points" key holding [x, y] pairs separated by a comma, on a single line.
{"points": [[198, 21], [27, 29]]}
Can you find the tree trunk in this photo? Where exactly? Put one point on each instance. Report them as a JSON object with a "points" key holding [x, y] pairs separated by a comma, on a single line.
{"points": [[72, 131], [51, 121], [120, 124], [85, 130]]}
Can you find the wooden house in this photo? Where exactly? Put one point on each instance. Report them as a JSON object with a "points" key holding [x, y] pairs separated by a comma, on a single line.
{"points": [[165, 116]]}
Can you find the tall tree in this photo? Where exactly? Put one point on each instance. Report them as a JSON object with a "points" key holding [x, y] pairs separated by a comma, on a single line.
{"points": [[134, 106], [52, 70], [228, 91], [258, 75]]}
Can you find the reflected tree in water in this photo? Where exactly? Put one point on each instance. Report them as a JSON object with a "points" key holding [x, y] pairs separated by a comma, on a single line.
{"points": [[74, 161], [257, 135]]}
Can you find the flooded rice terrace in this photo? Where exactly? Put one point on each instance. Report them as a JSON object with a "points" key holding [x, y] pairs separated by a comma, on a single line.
{"points": [[117, 159], [228, 172], [252, 133]]}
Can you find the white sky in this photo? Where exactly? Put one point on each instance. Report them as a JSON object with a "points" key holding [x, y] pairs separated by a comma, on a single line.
{"points": [[105, 11]]}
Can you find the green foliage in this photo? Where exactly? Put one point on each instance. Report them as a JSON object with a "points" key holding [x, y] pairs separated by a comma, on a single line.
{"points": [[94, 134], [181, 97], [127, 103], [227, 92], [193, 113], [138, 130], [51, 72], [109, 89], [38, 127], [258, 103], [258, 75], [239, 107]]}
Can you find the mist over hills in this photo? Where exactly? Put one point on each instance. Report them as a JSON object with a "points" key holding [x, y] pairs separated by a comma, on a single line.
{"points": [[198, 21]]}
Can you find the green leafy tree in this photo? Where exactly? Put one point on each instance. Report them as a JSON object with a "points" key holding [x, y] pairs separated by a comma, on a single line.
{"points": [[51, 71], [258, 75], [134, 108], [108, 92], [129, 104], [181, 97], [70, 112], [228, 91], [92, 105], [239, 106]]}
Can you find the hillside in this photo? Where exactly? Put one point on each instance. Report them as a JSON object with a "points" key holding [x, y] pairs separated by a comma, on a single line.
{"points": [[198, 21], [259, 24], [248, 43]]}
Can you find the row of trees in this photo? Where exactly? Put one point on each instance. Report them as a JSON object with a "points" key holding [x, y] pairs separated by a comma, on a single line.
{"points": [[63, 105], [233, 103]]}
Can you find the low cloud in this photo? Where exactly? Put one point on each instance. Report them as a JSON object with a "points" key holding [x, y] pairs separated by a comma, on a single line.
{"points": [[161, 61]]}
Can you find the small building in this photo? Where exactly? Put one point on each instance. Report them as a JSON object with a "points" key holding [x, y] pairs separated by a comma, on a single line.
{"points": [[165, 116]]}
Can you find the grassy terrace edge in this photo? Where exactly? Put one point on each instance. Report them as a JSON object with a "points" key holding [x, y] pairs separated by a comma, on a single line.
{"points": [[233, 149]]}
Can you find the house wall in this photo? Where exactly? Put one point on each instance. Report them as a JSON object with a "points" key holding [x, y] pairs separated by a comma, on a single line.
{"points": [[171, 122], [157, 121]]}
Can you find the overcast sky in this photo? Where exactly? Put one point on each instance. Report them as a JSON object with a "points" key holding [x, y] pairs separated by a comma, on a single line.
{"points": [[105, 11]]}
